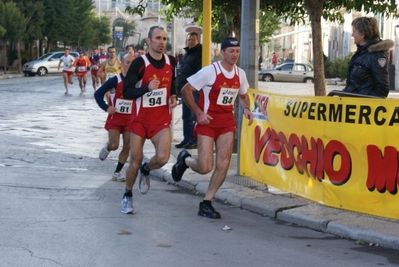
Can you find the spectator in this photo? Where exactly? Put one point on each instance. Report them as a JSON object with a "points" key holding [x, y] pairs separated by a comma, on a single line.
{"points": [[274, 60], [216, 55], [190, 64], [368, 68]]}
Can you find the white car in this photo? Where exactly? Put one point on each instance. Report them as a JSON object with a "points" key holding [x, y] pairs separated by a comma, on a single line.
{"points": [[47, 63], [288, 72]]}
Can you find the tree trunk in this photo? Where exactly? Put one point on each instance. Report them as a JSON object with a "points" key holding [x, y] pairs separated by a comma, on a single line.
{"points": [[19, 56], [5, 57], [237, 22], [315, 9], [32, 54], [49, 45]]}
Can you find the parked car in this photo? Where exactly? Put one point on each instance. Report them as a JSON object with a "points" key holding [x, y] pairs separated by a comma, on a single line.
{"points": [[288, 72], [47, 63]]}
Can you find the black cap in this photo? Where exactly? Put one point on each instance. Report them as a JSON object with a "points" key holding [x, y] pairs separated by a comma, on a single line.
{"points": [[229, 42]]}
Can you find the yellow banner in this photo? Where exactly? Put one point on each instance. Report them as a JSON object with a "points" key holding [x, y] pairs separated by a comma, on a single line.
{"points": [[340, 152]]}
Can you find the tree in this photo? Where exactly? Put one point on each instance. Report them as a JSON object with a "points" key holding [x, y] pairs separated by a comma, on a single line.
{"points": [[103, 35], [128, 30], [297, 11], [269, 23], [67, 21], [34, 14], [226, 17], [14, 22]]}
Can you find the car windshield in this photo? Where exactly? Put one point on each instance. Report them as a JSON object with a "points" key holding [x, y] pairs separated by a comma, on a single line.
{"points": [[44, 56]]}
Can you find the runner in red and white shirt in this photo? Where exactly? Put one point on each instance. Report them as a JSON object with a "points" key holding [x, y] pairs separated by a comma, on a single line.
{"points": [[67, 68], [95, 65], [82, 63], [102, 57], [219, 84]]}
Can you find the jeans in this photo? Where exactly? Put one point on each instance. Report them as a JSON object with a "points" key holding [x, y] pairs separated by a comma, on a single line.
{"points": [[189, 121]]}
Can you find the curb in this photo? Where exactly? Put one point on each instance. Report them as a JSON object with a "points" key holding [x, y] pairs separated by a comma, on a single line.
{"points": [[292, 209], [10, 76]]}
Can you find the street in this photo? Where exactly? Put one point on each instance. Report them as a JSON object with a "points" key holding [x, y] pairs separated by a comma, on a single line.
{"points": [[61, 208]]}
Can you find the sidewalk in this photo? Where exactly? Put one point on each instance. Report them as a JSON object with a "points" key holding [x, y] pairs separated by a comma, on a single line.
{"points": [[250, 195], [10, 75]]}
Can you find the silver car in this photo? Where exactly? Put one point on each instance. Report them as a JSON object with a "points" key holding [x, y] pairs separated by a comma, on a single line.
{"points": [[47, 63], [288, 72]]}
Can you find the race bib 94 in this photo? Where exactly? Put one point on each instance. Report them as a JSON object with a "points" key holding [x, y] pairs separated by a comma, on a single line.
{"points": [[155, 98]]}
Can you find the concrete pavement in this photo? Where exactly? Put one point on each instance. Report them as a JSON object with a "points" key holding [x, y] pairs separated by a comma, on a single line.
{"points": [[250, 195]]}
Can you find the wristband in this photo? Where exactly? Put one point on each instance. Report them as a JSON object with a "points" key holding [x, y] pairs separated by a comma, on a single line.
{"points": [[246, 108]]}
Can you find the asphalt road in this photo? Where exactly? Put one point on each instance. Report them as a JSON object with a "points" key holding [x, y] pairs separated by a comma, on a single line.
{"points": [[60, 208]]}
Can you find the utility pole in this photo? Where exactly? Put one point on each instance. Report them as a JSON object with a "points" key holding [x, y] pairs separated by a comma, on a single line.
{"points": [[249, 45]]}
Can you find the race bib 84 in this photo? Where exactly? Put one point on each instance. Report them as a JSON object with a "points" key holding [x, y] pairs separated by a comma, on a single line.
{"points": [[227, 96]]}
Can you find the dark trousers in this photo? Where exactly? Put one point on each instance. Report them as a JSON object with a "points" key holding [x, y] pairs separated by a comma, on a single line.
{"points": [[189, 121]]}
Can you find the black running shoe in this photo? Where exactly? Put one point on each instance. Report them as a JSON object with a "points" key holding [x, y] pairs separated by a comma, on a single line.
{"points": [[180, 166], [181, 144], [207, 210]]}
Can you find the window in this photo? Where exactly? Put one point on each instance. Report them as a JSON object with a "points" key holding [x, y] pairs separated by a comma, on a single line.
{"points": [[287, 67], [300, 67]]}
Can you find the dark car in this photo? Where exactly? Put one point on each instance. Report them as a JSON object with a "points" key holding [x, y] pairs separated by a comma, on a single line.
{"points": [[288, 72], [47, 63]]}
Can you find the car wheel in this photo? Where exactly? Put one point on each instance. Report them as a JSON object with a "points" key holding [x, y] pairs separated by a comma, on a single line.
{"points": [[42, 71], [267, 78], [308, 80]]}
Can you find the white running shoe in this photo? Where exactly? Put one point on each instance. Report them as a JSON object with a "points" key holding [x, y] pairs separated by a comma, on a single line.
{"points": [[104, 152], [117, 176], [144, 182], [127, 205]]}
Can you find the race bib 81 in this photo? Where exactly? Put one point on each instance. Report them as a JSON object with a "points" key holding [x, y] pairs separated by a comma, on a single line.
{"points": [[123, 106]]}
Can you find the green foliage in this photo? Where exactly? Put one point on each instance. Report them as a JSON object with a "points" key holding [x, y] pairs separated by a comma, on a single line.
{"points": [[33, 11], [103, 33], [297, 11], [128, 30], [13, 21], [226, 16], [269, 23], [2, 31], [139, 9], [339, 67]]}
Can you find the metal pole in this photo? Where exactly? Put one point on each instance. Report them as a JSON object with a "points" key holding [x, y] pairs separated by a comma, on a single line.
{"points": [[159, 10], [206, 33], [249, 52], [99, 9]]}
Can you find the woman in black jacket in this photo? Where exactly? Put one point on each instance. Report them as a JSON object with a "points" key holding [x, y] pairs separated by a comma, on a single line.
{"points": [[368, 68]]}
